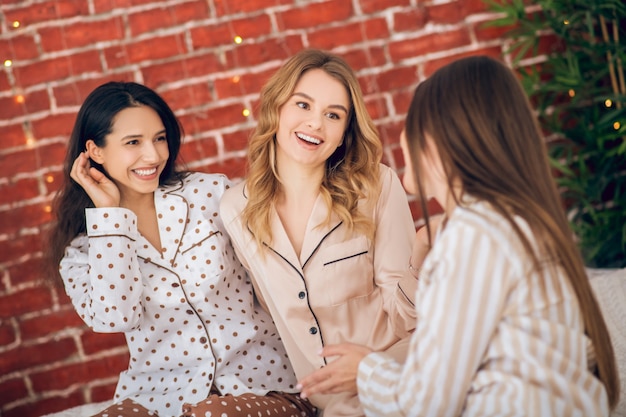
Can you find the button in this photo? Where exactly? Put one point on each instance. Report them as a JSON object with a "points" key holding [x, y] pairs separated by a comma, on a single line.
{"points": [[301, 295], [313, 330], [203, 340]]}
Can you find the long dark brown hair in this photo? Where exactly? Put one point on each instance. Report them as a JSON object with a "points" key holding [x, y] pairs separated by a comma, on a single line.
{"points": [[481, 122], [95, 121]]}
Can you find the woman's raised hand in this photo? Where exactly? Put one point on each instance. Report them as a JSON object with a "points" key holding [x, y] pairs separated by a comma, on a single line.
{"points": [[102, 191]]}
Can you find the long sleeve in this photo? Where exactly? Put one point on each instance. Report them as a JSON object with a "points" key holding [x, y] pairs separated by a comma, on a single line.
{"points": [[490, 338], [394, 223], [101, 272]]}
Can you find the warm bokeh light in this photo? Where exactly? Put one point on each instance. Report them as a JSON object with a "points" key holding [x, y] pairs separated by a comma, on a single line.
{"points": [[8, 62], [246, 112], [608, 102], [616, 125], [49, 179], [571, 93], [16, 24], [238, 39]]}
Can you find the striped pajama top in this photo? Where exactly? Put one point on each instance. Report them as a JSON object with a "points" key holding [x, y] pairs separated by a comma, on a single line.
{"points": [[491, 339]]}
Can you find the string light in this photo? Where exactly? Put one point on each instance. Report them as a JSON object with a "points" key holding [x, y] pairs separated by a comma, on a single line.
{"points": [[566, 22], [238, 39], [608, 102], [235, 79], [19, 99], [49, 179], [616, 125], [246, 112], [571, 93], [15, 24], [8, 63]]}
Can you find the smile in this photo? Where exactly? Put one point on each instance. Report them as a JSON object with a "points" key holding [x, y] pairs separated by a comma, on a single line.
{"points": [[308, 138], [145, 172]]}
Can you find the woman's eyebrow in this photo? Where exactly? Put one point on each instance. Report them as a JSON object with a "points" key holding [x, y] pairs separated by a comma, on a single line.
{"points": [[308, 97]]}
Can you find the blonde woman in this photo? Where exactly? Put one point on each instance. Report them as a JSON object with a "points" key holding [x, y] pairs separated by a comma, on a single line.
{"points": [[321, 225]]}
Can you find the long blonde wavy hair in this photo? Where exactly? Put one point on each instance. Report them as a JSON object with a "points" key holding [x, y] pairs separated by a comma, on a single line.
{"points": [[352, 171], [485, 132]]}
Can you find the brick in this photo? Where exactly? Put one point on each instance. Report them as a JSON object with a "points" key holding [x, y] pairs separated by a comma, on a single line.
{"points": [[476, 6], [26, 357], [45, 11], [25, 301], [52, 69], [32, 102], [365, 58], [446, 13], [80, 34], [351, 33], [402, 100], [16, 191], [29, 271], [82, 372], [376, 107], [75, 92], [16, 248], [171, 15], [396, 78], [371, 6], [410, 20], [20, 47], [49, 323], [12, 135], [224, 8], [102, 6], [244, 84], [155, 48], [98, 342], [234, 167], [432, 66], [40, 407], [207, 148], [59, 124], [248, 55], [419, 46], [190, 95], [220, 117], [155, 75], [103, 392], [236, 141], [314, 14], [13, 389], [7, 334], [28, 160]]}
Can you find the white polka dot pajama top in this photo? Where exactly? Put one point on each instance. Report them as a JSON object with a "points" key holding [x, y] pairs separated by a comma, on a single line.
{"points": [[189, 314]]}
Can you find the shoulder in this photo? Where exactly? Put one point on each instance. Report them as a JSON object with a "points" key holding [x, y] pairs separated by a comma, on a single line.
{"points": [[234, 200], [196, 183]]}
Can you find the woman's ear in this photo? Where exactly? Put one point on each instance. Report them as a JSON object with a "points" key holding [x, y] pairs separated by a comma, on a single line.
{"points": [[94, 151]]}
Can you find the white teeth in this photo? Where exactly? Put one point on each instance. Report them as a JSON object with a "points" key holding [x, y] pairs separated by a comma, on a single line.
{"points": [[308, 138], [145, 172]]}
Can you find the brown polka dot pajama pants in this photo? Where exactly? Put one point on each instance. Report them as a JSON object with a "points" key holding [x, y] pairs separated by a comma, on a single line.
{"points": [[274, 404]]}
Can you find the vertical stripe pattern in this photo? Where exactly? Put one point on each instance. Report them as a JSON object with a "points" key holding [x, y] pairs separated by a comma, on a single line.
{"points": [[493, 337]]}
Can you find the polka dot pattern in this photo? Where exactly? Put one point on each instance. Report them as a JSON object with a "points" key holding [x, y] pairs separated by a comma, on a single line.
{"points": [[188, 312]]}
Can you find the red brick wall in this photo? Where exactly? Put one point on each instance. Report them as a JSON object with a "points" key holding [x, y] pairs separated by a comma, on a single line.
{"points": [[184, 49]]}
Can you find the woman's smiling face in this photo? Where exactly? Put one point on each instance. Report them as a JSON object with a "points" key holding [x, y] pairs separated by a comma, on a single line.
{"points": [[313, 120]]}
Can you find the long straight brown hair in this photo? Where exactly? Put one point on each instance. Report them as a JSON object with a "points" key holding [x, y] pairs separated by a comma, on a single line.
{"points": [[489, 141]]}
